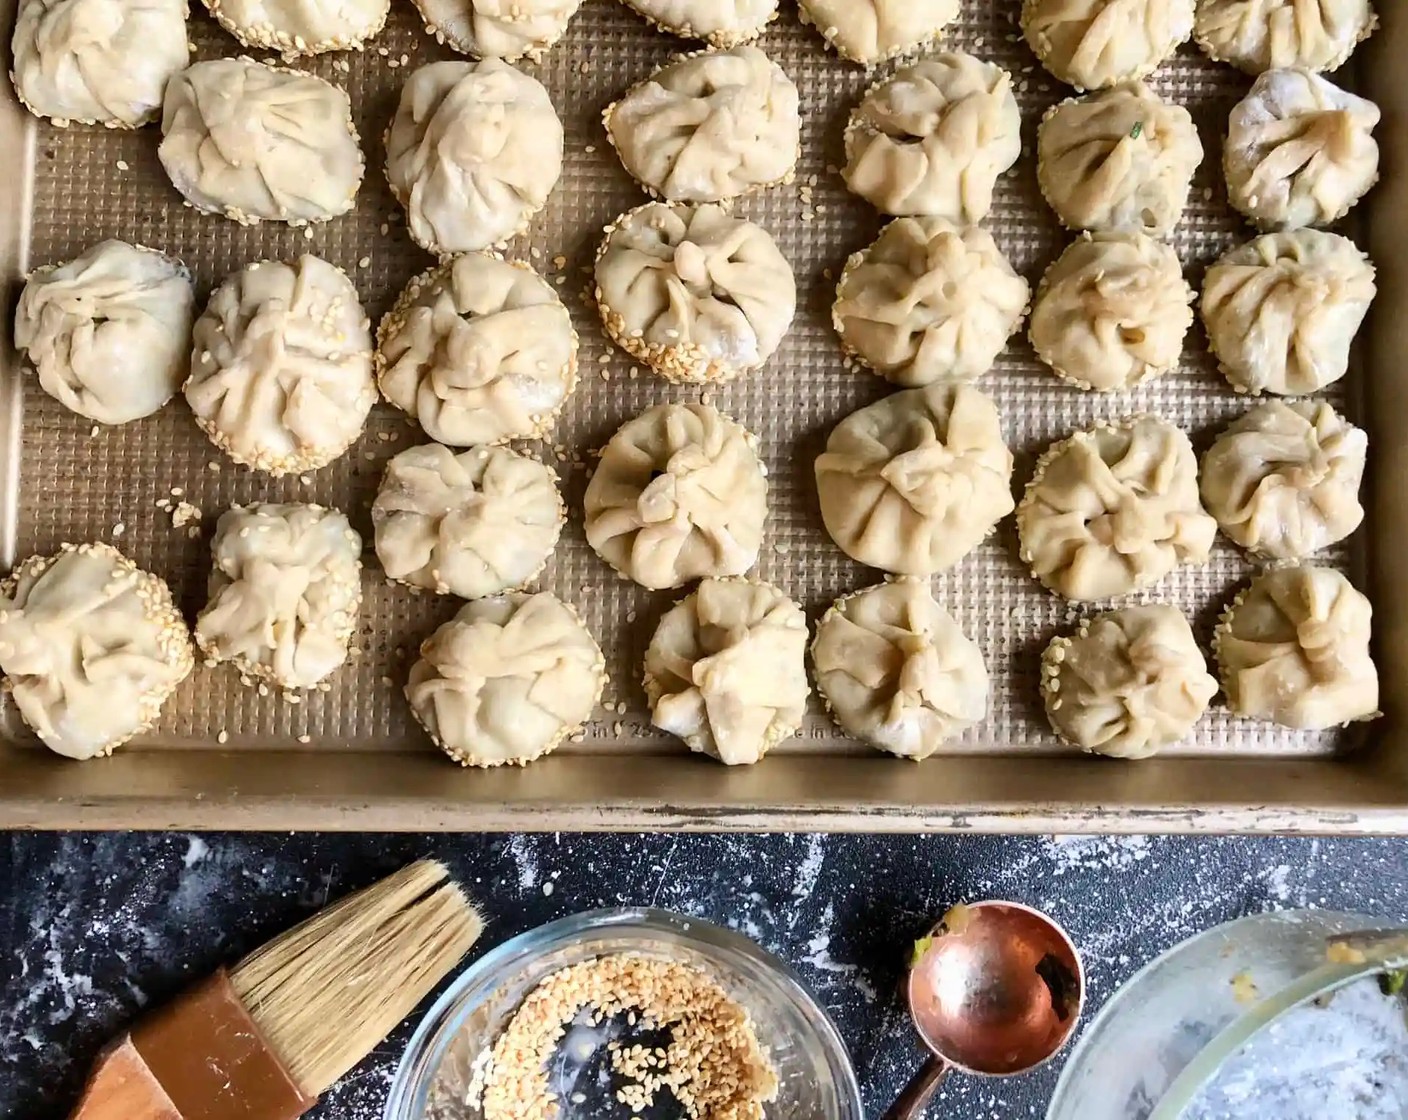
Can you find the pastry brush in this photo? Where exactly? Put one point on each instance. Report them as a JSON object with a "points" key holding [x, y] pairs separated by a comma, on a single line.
{"points": [[263, 1040]]}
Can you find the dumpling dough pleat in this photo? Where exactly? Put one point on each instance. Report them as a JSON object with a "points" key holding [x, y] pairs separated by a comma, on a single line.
{"points": [[680, 493], [709, 126], [896, 670], [1093, 44], [725, 670], [91, 647], [507, 29], [1293, 648], [506, 680], [1114, 508], [914, 482], [870, 31], [722, 23], [284, 593], [1257, 35], [301, 27], [1127, 683]]}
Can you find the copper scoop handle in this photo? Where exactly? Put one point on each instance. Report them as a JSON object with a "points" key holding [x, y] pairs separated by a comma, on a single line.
{"points": [[909, 1105]]}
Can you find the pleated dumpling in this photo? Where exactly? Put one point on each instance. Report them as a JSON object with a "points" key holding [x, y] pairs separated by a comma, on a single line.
{"points": [[680, 493], [928, 301], [1257, 35], [896, 670], [721, 23], [1092, 44], [97, 61], [1127, 683], [260, 143], [1114, 508], [1293, 648], [1111, 311], [480, 350], [870, 31], [726, 669], [506, 680], [284, 593], [933, 138], [507, 29], [301, 27], [1300, 151], [109, 332], [709, 126], [1283, 480], [472, 153], [1282, 310], [695, 292], [474, 524], [91, 647], [281, 374], [914, 482], [1121, 160]]}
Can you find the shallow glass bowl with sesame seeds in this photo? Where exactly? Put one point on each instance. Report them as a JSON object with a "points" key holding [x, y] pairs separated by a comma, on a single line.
{"points": [[437, 1078]]}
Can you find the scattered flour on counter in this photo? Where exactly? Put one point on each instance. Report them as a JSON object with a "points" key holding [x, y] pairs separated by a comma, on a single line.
{"points": [[520, 847], [196, 850], [809, 870], [1091, 853], [1278, 882]]}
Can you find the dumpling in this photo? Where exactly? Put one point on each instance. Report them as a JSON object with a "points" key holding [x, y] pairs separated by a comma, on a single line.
{"points": [[1121, 161], [1293, 648], [1114, 508], [260, 143], [1282, 310], [474, 524], [97, 61], [1111, 312], [301, 27], [507, 29], [281, 374], [1283, 480], [1300, 151], [284, 593], [506, 680], [696, 293], [928, 301], [870, 31], [472, 154], [916, 481], [721, 23], [1092, 44], [1257, 35], [680, 493], [479, 350], [934, 138], [91, 647], [109, 332], [726, 669], [709, 126], [896, 670], [1127, 683]]}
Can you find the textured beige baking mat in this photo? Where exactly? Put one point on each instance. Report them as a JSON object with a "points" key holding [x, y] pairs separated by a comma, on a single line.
{"points": [[94, 183]]}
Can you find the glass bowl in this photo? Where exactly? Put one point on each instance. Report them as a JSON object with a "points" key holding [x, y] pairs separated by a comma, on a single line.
{"points": [[814, 1072]]}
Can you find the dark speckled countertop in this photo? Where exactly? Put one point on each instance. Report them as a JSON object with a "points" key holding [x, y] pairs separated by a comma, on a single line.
{"points": [[95, 927]]}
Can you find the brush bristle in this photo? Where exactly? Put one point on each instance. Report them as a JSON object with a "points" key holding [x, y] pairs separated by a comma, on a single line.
{"points": [[330, 989]]}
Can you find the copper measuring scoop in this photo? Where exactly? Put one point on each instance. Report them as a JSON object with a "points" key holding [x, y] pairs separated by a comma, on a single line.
{"points": [[995, 989]]}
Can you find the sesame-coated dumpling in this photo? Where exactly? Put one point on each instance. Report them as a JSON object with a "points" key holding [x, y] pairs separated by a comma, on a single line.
{"points": [[473, 524], [721, 23], [301, 27], [507, 29], [479, 350], [109, 333], [1095, 43], [91, 646], [507, 679], [65, 70], [281, 372], [284, 593], [260, 143], [472, 153], [709, 126], [726, 669], [680, 493], [1257, 35], [870, 31], [695, 292]]}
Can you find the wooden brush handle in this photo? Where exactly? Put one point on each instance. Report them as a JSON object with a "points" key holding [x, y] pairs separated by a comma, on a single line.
{"points": [[202, 1057]]}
